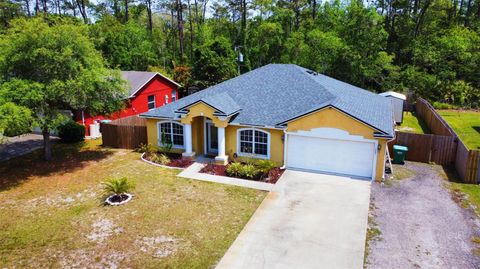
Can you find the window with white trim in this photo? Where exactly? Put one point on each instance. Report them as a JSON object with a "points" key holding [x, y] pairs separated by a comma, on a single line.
{"points": [[174, 95], [166, 98], [253, 142], [151, 102], [172, 132]]}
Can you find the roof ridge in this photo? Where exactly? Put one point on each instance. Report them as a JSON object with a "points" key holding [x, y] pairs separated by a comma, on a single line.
{"points": [[303, 71]]}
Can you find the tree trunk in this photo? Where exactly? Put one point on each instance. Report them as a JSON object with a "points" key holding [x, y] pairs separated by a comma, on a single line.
{"points": [[191, 29], [204, 10], [196, 15], [37, 6], [126, 11], [244, 20], [460, 9], [149, 14], [82, 10], [454, 10], [296, 10], [314, 9], [467, 13], [27, 7], [180, 29], [174, 33], [420, 18], [47, 147]]}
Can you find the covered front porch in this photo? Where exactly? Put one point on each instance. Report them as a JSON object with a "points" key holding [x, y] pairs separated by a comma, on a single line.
{"points": [[204, 131], [205, 138]]}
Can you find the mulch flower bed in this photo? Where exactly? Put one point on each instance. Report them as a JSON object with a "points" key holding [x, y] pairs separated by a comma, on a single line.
{"points": [[175, 159], [221, 170], [182, 162], [118, 199]]}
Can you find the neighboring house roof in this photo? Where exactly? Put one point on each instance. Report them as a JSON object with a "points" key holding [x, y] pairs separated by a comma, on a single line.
{"points": [[137, 79], [393, 94], [275, 94]]}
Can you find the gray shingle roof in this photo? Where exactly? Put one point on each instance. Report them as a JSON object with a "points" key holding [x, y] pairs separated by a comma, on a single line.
{"points": [[276, 93], [137, 79]]}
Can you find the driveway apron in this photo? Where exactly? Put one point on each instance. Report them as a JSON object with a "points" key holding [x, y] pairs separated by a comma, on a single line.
{"points": [[308, 220]]}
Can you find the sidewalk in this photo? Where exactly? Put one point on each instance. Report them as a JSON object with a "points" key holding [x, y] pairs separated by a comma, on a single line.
{"points": [[193, 172]]}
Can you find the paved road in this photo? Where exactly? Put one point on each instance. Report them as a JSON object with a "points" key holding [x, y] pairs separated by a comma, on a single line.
{"points": [[421, 226], [308, 220], [21, 145]]}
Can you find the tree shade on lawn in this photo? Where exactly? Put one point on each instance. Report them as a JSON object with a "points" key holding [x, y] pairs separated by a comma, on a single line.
{"points": [[413, 124]]}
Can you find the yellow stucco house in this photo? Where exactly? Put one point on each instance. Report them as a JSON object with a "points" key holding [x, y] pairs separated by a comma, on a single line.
{"points": [[282, 112]]}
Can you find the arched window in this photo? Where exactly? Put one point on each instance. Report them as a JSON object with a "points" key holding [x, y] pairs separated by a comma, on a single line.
{"points": [[172, 132], [253, 142]]}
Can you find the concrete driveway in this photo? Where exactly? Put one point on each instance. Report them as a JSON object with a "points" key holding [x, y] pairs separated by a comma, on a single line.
{"points": [[308, 220]]}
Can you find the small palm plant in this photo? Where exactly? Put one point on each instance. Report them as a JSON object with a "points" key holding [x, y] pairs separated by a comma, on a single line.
{"points": [[118, 190]]}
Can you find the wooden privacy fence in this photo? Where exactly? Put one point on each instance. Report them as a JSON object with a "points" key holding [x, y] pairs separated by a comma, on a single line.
{"points": [[126, 133], [427, 148], [442, 147], [433, 120], [467, 164]]}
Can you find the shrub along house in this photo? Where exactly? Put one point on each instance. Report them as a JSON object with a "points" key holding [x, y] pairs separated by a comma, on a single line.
{"points": [[147, 90], [285, 113]]}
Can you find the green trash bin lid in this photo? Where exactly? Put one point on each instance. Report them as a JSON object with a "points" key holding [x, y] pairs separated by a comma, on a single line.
{"points": [[400, 148]]}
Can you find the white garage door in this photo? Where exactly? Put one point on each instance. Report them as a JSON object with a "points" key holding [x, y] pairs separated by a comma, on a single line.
{"points": [[349, 155]]}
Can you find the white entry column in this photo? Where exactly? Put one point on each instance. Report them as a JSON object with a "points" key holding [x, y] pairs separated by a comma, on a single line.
{"points": [[221, 146], [187, 132]]}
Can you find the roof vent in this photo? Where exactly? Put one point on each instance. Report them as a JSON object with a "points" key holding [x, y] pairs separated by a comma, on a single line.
{"points": [[312, 72]]}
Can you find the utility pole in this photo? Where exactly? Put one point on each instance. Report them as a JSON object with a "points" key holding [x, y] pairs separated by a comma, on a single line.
{"points": [[239, 58]]}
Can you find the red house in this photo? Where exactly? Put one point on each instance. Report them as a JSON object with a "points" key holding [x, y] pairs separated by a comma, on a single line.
{"points": [[147, 90]]}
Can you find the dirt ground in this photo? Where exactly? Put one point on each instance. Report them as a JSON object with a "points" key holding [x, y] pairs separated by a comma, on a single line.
{"points": [[419, 225]]}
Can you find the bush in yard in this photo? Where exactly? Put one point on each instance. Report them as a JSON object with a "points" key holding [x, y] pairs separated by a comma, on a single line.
{"points": [[145, 148], [118, 190], [233, 170], [264, 166], [118, 186], [246, 160], [166, 144], [71, 132], [439, 105], [160, 159], [250, 171]]}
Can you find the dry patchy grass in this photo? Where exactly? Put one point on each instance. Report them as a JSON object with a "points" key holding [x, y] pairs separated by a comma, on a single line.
{"points": [[51, 214]]}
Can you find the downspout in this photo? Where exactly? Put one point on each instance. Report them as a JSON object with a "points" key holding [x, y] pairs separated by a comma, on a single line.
{"points": [[284, 149]]}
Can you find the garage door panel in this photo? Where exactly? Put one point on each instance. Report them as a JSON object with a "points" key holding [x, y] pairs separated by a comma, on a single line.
{"points": [[330, 155]]}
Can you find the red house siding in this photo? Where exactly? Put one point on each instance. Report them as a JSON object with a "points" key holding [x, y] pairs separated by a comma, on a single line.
{"points": [[158, 86]]}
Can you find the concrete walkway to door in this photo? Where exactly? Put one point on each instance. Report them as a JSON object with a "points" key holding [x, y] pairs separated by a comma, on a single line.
{"points": [[308, 220]]}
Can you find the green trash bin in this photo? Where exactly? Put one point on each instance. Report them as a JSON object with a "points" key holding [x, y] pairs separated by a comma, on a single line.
{"points": [[399, 154]]}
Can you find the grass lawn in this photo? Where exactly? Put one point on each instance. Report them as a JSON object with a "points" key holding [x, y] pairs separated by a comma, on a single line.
{"points": [[466, 124], [472, 192], [51, 214], [412, 124]]}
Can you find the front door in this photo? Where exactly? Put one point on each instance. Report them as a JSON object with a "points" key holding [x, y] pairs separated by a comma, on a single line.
{"points": [[212, 138]]}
